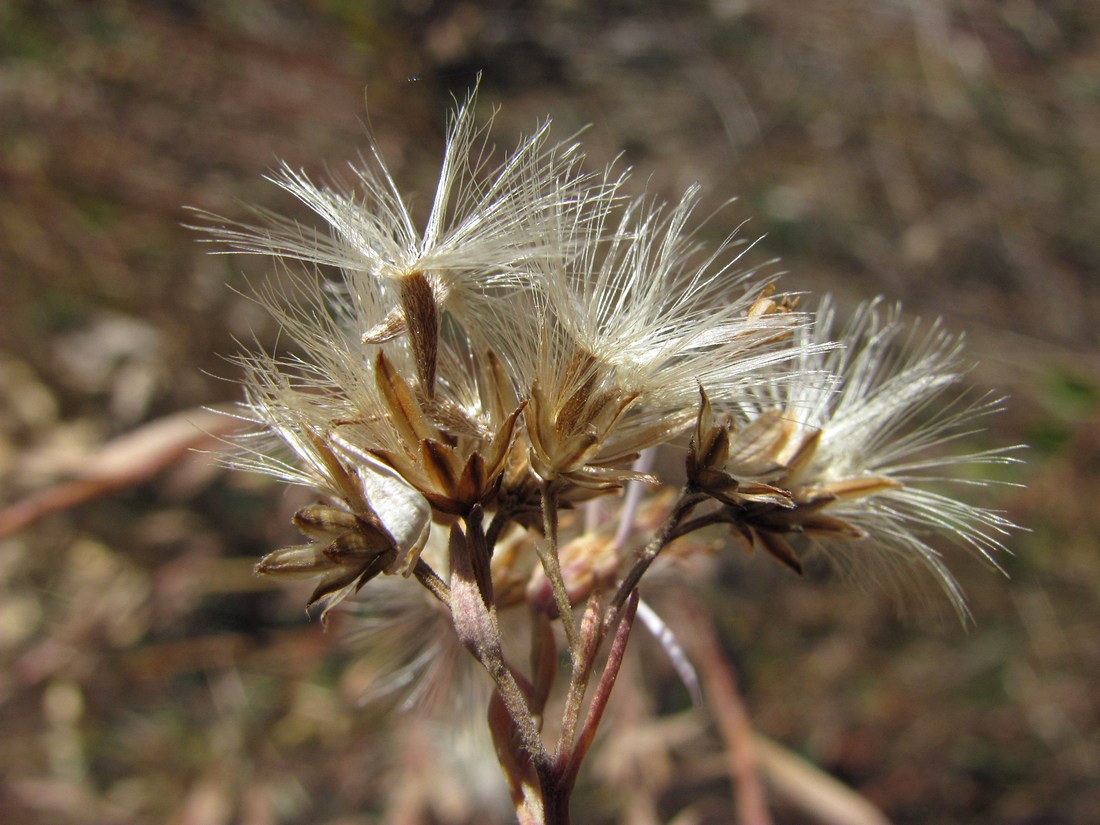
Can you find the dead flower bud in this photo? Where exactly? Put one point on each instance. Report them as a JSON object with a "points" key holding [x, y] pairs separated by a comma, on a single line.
{"points": [[344, 551], [375, 522], [735, 479], [567, 434]]}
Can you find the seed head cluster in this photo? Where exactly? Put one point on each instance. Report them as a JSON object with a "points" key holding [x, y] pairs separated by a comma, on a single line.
{"points": [[470, 398]]}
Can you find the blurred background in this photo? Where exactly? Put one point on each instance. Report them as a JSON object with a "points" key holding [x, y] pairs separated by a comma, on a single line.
{"points": [[946, 154]]}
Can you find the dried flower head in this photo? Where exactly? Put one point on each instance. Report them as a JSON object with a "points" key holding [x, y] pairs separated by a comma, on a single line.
{"points": [[484, 226], [857, 467]]}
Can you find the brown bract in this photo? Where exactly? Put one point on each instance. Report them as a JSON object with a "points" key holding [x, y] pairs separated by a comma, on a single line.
{"points": [[569, 427], [759, 475], [710, 470], [441, 451], [349, 543]]}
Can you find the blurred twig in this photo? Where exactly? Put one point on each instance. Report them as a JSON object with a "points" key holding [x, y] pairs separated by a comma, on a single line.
{"points": [[724, 701], [753, 756], [811, 789], [126, 460]]}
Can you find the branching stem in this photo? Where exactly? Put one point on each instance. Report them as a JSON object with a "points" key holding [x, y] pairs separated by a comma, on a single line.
{"points": [[664, 535], [602, 695]]}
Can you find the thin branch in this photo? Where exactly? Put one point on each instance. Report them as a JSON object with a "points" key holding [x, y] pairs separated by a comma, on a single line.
{"points": [[478, 550], [123, 461], [427, 576], [500, 520], [723, 516], [813, 791], [633, 498], [602, 694], [544, 660], [551, 565], [591, 636], [475, 622], [649, 554]]}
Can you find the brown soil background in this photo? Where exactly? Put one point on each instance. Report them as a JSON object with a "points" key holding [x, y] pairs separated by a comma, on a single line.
{"points": [[946, 154]]}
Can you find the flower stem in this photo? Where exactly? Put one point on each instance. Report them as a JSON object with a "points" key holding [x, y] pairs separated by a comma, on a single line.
{"points": [[666, 533], [602, 694], [431, 580], [551, 565], [591, 636], [475, 622]]}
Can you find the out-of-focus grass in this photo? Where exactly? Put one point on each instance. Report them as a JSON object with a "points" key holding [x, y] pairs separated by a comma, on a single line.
{"points": [[946, 155]]}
